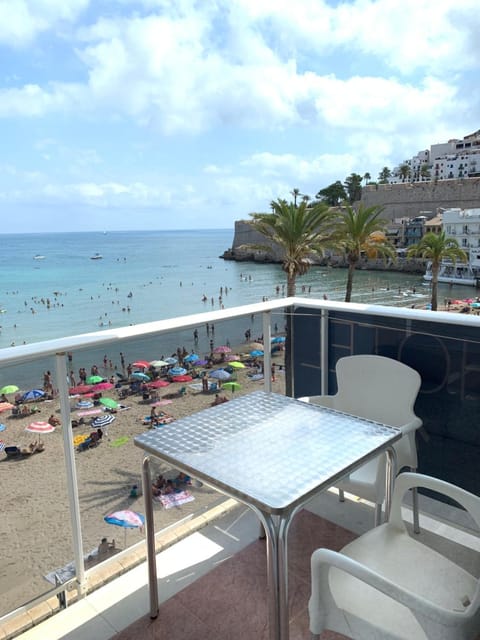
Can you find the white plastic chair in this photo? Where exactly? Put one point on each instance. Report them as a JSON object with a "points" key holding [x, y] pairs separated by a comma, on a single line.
{"points": [[383, 390], [387, 585]]}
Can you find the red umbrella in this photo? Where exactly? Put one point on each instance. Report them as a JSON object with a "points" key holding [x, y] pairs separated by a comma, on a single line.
{"points": [[103, 386], [6, 405], [156, 384], [81, 388], [143, 364], [184, 378]]}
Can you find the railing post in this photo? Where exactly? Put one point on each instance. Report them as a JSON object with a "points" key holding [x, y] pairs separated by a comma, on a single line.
{"points": [[324, 352], [267, 350], [71, 473]]}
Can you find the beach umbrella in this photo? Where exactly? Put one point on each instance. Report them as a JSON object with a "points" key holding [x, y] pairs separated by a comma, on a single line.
{"points": [[192, 357], [278, 339], [110, 403], [183, 378], [222, 349], [9, 388], [201, 363], [139, 375], [2, 427], [236, 365], [127, 519], [84, 404], [177, 371], [141, 363], [81, 388], [39, 428], [103, 421], [6, 405], [159, 363], [94, 379], [156, 384], [103, 386], [256, 353], [219, 374], [256, 345], [33, 394], [171, 360], [234, 386]]}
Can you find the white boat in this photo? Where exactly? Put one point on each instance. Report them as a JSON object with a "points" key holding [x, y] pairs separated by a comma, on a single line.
{"points": [[38, 257], [458, 273], [96, 256]]}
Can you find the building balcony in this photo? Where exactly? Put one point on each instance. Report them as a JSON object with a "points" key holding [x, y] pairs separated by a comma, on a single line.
{"points": [[210, 561]]}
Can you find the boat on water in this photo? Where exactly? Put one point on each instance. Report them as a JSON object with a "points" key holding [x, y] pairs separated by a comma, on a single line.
{"points": [[96, 256], [39, 257], [457, 273]]}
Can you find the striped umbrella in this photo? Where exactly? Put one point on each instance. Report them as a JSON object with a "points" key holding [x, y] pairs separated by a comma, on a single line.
{"points": [[2, 445], [103, 421], [40, 428]]}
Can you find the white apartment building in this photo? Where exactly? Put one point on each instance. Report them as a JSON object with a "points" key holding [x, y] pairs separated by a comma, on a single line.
{"points": [[464, 226], [445, 161]]}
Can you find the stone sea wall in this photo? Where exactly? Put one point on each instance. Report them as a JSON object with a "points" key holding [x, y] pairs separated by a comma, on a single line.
{"points": [[245, 238], [410, 199]]}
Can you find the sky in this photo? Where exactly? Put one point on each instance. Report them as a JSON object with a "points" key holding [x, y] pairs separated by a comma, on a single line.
{"points": [[184, 114]]}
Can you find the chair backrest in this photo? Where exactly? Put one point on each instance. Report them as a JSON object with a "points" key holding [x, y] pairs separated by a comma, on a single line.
{"points": [[377, 388]]}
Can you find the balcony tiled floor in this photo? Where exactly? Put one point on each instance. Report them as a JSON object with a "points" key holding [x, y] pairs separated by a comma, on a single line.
{"points": [[213, 584]]}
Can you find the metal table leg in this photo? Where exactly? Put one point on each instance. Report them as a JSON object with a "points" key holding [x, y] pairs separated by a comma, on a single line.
{"points": [[150, 537]]}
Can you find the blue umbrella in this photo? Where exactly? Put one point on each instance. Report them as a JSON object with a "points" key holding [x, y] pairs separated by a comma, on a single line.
{"points": [[33, 394], [2, 427], [171, 360], [84, 404], [278, 339], [256, 353], [219, 374], [177, 371], [139, 375], [192, 357]]}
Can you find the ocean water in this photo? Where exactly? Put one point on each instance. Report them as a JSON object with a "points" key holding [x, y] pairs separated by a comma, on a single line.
{"points": [[144, 276]]}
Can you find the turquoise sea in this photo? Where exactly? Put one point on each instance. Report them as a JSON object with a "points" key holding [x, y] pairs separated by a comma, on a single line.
{"points": [[51, 287]]}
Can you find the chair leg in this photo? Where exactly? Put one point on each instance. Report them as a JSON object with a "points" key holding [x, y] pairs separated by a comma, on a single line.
{"points": [[378, 514], [341, 495], [416, 519]]}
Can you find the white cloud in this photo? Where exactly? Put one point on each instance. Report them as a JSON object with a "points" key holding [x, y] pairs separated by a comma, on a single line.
{"points": [[22, 20]]}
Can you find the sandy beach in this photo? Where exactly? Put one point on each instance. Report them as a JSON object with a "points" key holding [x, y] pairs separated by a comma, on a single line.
{"points": [[35, 523]]}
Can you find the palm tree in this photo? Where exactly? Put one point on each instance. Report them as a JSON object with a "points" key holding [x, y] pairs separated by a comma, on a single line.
{"points": [[367, 177], [295, 193], [437, 247], [299, 232], [384, 175], [361, 231], [404, 171]]}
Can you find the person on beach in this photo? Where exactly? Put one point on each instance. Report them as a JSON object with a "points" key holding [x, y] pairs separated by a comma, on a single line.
{"points": [[105, 546]]}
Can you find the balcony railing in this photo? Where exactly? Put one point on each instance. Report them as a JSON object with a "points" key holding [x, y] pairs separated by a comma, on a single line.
{"points": [[443, 347]]}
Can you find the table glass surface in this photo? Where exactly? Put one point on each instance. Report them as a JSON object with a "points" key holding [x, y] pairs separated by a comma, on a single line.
{"points": [[266, 448]]}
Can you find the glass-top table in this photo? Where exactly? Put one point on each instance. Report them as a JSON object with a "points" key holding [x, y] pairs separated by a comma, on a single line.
{"points": [[251, 448]]}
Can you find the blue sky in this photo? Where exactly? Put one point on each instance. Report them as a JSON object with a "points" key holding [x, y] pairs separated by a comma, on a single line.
{"points": [[173, 114]]}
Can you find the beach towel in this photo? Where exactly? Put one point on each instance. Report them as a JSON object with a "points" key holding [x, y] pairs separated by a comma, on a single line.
{"points": [[175, 499], [119, 441]]}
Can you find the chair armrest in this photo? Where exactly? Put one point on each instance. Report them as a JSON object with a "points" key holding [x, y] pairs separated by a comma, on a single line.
{"points": [[406, 481], [323, 559], [412, 426]]}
